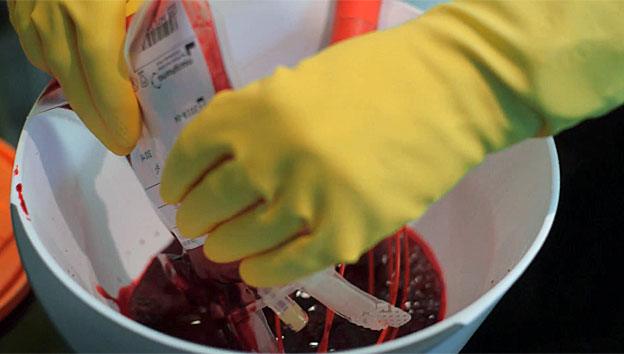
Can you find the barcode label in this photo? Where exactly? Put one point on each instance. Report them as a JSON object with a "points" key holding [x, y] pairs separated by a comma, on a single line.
{"points": [[163, 27]]}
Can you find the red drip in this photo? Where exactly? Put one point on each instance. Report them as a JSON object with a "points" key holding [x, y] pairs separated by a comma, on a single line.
{"points": [[105, 294], [123, 297], [329, 320], [16, 171], [20, 189]]}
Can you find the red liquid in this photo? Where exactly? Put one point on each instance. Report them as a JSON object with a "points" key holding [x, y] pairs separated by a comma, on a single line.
{"points": [[174, 300]]}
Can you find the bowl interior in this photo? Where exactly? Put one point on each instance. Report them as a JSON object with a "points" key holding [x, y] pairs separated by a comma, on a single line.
{"points": [[90, 212]]}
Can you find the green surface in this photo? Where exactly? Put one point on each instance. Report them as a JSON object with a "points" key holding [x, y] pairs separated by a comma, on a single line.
{"points": [[28, 330]]}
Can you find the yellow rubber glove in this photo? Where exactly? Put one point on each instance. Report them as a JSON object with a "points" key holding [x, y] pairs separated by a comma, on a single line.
{"points": [[80, 43], [365, 136]]}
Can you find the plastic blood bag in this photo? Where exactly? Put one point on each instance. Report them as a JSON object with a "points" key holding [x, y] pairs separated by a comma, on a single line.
{"points": [[173, 53]]}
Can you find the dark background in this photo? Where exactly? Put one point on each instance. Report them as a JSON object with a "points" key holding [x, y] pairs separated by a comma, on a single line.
{"points": [[568, 300]]}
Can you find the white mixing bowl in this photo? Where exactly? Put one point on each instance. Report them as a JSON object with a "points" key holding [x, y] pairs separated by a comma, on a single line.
{"points": [[89, 222]]}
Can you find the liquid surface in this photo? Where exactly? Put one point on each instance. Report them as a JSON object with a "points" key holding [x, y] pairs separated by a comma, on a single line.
{"points": [[170, 297]]}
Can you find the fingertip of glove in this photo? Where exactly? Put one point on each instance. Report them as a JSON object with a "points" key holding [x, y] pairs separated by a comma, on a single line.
{"points": [[253, 276], [121, 145], [122, 150], [118, 132], [258, 273], [167, 193], [216, 254], [186, 225], [129, 131], [260, 277], [119, 151], [171, 190]]}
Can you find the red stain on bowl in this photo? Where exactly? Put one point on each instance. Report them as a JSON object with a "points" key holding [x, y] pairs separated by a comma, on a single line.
{"points": [[20, 194]]}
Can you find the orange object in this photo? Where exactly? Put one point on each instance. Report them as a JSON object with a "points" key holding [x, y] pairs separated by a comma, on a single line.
{"points": [[13, 282], [354, 17]]}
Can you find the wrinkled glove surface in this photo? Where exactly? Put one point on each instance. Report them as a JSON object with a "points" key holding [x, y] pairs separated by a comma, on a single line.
{"points": [[80, 43], [314, 165]]}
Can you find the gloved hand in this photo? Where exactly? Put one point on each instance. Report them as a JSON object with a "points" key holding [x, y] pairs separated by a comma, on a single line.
{"points": [[314, 165], [80, 43]]}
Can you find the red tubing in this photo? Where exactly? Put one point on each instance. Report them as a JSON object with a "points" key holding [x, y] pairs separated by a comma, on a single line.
{"points": [[406, 277], [390, 264], [371, 272], [413, 235], [390, 261], [354, 17], [329, 319], [394, 290], [399, 270], [395, 265], [278, 334], [406, 274]]}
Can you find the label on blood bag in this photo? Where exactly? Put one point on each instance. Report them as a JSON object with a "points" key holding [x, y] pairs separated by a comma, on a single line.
{"points": [[175, 67]]}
